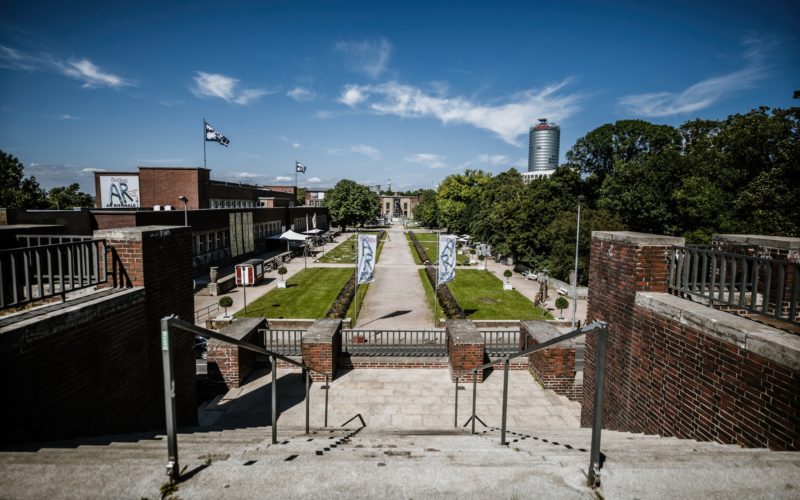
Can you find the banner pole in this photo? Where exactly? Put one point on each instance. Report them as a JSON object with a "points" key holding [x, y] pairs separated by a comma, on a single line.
{"points": [[204, 143], [436, 286]]}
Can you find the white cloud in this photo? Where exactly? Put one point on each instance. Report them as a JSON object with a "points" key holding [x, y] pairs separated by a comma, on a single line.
{"points": [[92, 76], [508, 120], [428, 160], [314, 180], [89, 170], [83, 69], [301, 94], [704, 93], [368, 151], [352, 95], [225, 88], [494, 159], [283, 178], [296, 145], [248, 175], [324, 114], [368, 57], [67, 116]]}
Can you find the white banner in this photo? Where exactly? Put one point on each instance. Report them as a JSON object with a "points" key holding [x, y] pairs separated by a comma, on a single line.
{"points": [[119, 191], [447, 258], [367, 253]]}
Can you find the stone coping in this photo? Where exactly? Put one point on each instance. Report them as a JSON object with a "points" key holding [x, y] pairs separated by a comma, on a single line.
{"points": [[776, 345], [242, 327], [463, 332], [322, 331], [638, 238], [759, 240], [542, 331]]}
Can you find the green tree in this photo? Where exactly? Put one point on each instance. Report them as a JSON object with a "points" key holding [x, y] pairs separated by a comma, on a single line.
{"points": [[301, 197], [69, 197], [426, 212], [351, 204], [225, 302], [561, 304], [16, 190], [456, 194]]}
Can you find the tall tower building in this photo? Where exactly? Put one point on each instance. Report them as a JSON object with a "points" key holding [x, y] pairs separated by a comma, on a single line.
{"points": [[543, 149]]}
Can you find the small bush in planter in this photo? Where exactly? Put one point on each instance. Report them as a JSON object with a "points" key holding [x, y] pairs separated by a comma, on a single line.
{"points": [[561, 304], [225, 302], [507, 274], [282, 271]]}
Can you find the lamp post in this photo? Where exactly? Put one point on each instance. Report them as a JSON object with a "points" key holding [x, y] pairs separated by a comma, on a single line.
{"points": [[575, 277], [185, 200]]}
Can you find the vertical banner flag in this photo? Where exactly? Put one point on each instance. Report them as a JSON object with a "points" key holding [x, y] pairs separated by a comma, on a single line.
{"points": [[367, 251], [213, 135], [299, 167], [447, 258]]}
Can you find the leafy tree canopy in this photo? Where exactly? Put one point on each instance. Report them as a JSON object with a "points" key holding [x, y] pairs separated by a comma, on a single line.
{"points": [[351, 204]]}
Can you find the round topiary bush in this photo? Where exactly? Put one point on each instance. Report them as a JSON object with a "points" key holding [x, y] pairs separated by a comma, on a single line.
{"points": [[225, 302], [282, 271], [507, 274], [561, 304]]}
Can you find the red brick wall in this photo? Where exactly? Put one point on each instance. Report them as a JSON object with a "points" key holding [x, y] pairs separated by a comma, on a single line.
{"points": [[554, 368], [80, 371], [163, 186], [464, 357], [664, 377], [320, 356]]}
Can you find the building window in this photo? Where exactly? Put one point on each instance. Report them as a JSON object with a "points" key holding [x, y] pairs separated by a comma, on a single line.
{"points": [[201, 243], [219, 239], [225, 237]]}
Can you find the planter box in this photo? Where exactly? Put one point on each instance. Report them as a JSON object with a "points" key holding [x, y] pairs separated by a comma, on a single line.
{"points": [[508, 286], [281, 284]]}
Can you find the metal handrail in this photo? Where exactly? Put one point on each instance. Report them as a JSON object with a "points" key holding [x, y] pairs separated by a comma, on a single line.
{"points": [[168, 322], [597, 417]]}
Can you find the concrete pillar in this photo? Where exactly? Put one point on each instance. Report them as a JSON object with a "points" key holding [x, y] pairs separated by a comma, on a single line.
{"points": [[228, 364], [553, 367], [321, 347], [465, 347]]}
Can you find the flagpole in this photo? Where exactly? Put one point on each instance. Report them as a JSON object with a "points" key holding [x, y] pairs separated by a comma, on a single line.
{"points": [[204, 143], [436, 285], [355, 276]]}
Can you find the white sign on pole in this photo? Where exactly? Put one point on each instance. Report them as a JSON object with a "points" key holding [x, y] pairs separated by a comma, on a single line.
{"points": [[447, 258], [367, 251]]}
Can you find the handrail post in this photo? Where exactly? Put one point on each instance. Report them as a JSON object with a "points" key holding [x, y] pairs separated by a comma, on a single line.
{"points": [[474, 395], [327, 386], [274, 400], [173, 469], [308, 394], [455, 422], [505, 402], [597, 415]]}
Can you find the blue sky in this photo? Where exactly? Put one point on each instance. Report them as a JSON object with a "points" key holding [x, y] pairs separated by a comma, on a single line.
{"points": [[369, 91]]}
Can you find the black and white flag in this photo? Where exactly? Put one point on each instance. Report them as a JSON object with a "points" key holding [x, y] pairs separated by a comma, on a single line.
{"points": [[299, 167], [447, 258], [213, 135]]}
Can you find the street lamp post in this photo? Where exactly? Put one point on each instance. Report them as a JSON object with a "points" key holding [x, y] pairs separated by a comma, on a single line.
{"points": [[185, 200], [575, 277]]}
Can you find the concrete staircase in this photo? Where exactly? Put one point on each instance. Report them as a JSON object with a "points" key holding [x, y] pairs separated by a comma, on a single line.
{"points": [[369, 462]]}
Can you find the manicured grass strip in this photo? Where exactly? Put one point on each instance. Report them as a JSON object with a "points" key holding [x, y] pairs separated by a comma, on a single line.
{"points": [[351, 311], [343, 253], [309, 294], [480, 295], [414, 253], [426, 284], [429, 243]]}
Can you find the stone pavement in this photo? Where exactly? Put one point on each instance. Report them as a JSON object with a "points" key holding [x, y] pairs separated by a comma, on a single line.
{"points": [[396, 299], [394, 399]]}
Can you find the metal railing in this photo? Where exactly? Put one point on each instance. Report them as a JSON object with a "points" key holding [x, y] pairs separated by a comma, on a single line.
{"points": [[205, 312], [170, 324], [36, 240], [502, 342], [286, 342], [601, 329], [738, 280], [34, 273], [395, 342]]}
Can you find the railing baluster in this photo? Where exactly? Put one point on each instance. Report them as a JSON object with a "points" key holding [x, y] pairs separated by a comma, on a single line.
{"points": [[722, 269], [795, 286], [597, 414], [274, 400], [671, 279], [39, 277], [703, 274], [26, 267], [754, 284], [767, 285], [779, 296], [731, 298], [743, 286], [173, 469]]}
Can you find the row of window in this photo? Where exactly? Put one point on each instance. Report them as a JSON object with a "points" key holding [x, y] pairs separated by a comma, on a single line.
{"points": [[264, 229], [232, 204], [208, 241]]}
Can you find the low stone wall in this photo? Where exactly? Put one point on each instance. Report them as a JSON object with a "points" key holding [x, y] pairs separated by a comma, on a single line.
{"points": [[321, 347]]}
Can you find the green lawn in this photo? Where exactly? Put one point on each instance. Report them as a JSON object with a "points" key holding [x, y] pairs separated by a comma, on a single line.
{"points": [[426, 284], [345, 252], [309, 294], [481, 296], [414, 253], [429, 243]]}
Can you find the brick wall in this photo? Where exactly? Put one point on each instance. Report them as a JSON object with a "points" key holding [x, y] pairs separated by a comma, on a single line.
{"points": [[321, 347], [683, 369], [159, 258], [229, 365], [80, 370], [553, 367]]}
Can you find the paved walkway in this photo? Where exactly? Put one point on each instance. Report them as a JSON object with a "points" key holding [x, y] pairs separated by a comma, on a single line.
{"points": [[391, 398], [396, 299]]}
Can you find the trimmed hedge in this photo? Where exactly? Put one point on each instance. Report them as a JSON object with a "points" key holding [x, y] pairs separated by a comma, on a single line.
{"points": [[448, 302], [423, 255], [343, 300]]}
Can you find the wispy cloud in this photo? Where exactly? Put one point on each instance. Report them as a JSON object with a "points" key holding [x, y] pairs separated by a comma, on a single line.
{"points": [[91, 170], [226, 88], [368, 57], [368, 151], [283, 178], [82, 70], [324, 114], [704, 93], [67, 117], [495, 160], [302, 94], [314, 180], [428, 160], [507, 119]]}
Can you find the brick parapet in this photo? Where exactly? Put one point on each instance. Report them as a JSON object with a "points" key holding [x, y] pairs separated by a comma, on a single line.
{"points": [[674, 367], [229, 364], [466, 350], [321, 347], [553, 367]]}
